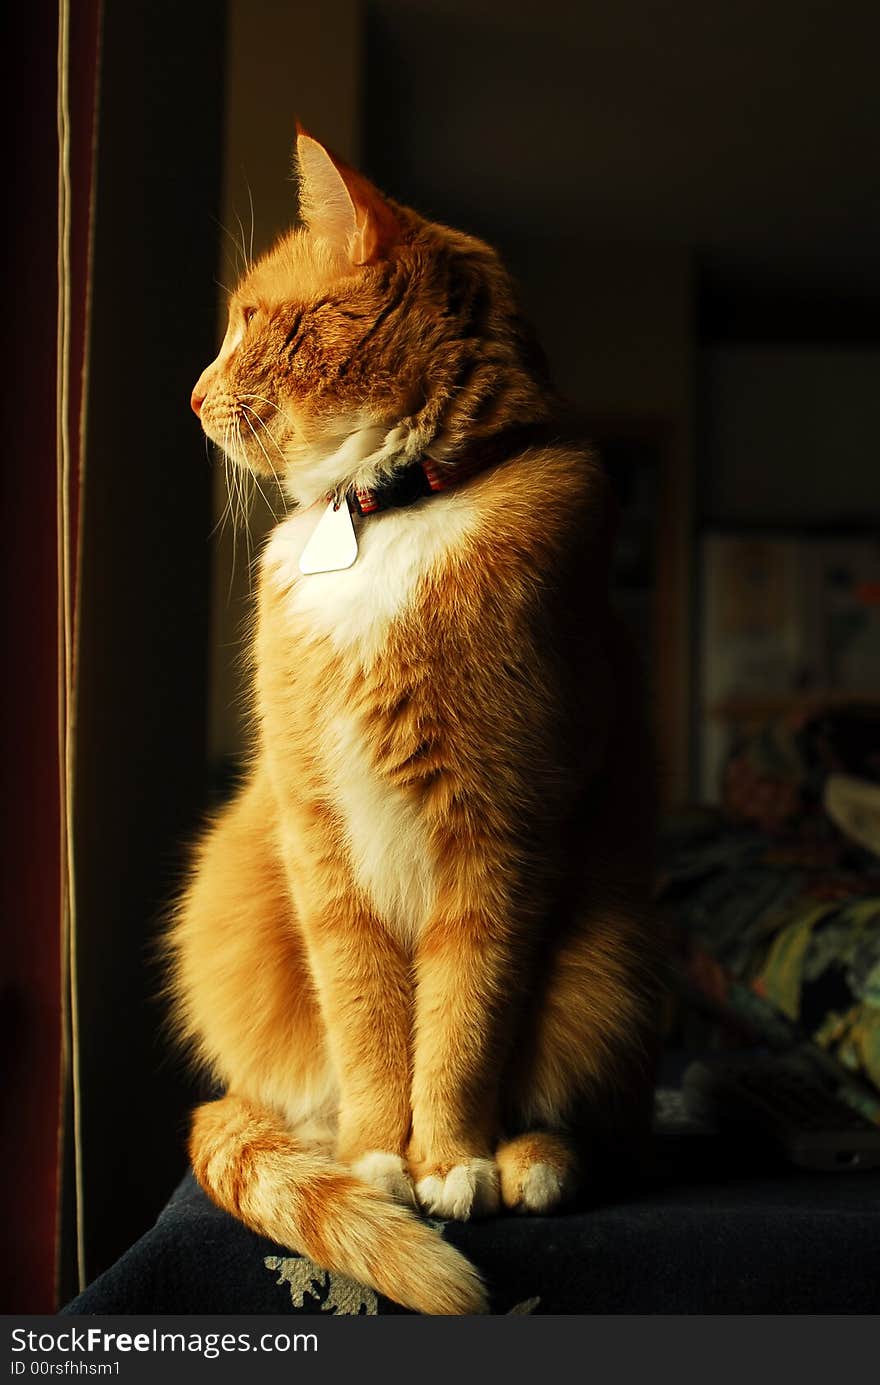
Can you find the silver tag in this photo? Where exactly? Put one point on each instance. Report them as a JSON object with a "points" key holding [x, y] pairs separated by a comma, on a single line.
{"points": [[333, 545]]}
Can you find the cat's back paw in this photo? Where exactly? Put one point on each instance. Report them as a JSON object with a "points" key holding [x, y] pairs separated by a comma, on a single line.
{"points": [[459, 1191], [537, 1173]]}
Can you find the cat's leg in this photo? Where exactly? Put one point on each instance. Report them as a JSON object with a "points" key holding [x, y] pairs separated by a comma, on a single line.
{"points": [[464, 1010], [239, 976], [364, 988], [569, 1064], [579, 1081]]}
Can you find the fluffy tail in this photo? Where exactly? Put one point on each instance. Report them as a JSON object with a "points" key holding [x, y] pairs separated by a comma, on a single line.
{"points": [[252, 1166]]}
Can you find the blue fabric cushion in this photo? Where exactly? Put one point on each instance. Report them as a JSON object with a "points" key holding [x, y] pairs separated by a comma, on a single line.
{"points": [[713, 1229]]}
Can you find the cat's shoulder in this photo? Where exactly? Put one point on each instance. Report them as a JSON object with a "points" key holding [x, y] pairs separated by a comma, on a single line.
{"points": [[547, 501]]}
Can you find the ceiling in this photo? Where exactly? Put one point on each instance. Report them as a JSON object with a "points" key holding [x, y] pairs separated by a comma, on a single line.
{"points": [[746, 130]]}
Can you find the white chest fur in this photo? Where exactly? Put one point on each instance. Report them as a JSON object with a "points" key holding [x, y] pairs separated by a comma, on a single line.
{"points": [[356, 609], [396, 550]]}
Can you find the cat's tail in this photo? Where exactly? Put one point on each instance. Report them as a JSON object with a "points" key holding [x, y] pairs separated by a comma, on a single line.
{"points": [[251, 1165]]}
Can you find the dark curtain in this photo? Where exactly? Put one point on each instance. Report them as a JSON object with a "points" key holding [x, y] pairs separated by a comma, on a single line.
{"points": [[109, 270], [145, 570], [46, 303]]}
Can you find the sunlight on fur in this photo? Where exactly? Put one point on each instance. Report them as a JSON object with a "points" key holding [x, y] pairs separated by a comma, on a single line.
{"points": [[416, 948]]}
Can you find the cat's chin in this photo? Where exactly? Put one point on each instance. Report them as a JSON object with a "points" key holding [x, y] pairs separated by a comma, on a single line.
{"points": [[356, 454]]}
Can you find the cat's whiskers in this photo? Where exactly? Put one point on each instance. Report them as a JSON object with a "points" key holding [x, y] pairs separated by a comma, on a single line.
{"points": [[268, 460], [252, 474], [240, 510], [293, 427], [249, 394], [244, 254], [235, 475], [230, 509], [244, 478], [240, 489], [220, 527], [238, 248], [265, 427], [251, 201]]}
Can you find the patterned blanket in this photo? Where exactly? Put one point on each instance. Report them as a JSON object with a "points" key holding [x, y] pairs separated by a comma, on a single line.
{"points": [[783, 935]]}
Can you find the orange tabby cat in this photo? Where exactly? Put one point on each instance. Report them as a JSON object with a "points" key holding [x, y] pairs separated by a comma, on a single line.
{"points": [[414, 949]]}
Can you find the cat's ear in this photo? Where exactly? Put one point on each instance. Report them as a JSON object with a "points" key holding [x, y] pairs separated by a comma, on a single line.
{"points": [[341, 206]]}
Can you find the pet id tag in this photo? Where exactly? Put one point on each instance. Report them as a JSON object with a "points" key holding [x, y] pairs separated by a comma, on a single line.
{"points": [[333, 544]]}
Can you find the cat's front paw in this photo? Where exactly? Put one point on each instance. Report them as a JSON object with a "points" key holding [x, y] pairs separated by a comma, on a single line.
{"points": [[388, 1173], [459, 1191]]}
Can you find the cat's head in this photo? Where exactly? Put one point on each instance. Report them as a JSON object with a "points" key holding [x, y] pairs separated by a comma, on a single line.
{"points": [[365, 338]]}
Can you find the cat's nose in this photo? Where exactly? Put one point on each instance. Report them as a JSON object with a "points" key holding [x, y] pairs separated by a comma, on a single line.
{"points": [[197, 399]]}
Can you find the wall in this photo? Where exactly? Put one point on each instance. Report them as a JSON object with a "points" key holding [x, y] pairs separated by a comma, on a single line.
{"points": [[788, 443], [617, 324], [483, 117], [790, 435], [746, 130]]}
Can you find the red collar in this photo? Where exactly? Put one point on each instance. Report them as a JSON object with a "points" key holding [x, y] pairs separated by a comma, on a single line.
{"points": [[427, 477], [413, 483]]}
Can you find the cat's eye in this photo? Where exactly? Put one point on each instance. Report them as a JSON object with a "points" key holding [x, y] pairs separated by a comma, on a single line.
{"points": [[248, 314]]}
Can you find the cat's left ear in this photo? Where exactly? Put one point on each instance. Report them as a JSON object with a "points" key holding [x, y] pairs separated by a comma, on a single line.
{"points": [[341, 206]]}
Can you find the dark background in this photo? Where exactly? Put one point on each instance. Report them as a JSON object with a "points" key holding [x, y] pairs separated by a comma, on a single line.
{"points": [[744, 131], [689, 196]]}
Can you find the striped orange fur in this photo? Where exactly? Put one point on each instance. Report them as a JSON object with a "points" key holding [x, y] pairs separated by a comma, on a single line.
{"points": [[416, 947]]}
